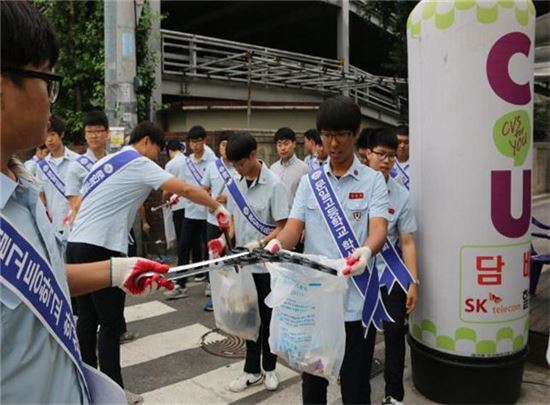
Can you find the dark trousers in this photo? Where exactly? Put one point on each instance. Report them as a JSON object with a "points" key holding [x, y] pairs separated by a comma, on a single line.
{"points": [[259, 352], [104, 308], [354, 374], [177, 218], [192, 243], [394, 339]]}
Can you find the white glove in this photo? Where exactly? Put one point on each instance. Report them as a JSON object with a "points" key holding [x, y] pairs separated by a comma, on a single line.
{"points": [[252, 245], [127, 273], [216, 247], [222, 216], [357, 262], [273, 246]]}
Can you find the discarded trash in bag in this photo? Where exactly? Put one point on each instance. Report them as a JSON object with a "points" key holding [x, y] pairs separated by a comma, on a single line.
{"points": [[307, 324]]}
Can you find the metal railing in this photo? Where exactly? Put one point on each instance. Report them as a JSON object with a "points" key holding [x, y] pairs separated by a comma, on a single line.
{"points": [[191, 56]]}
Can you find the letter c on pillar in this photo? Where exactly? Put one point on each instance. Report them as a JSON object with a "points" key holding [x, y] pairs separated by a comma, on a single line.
{"points": [[497, 68], [501, 204]]}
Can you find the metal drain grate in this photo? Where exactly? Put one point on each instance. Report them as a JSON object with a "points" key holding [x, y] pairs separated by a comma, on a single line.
{"points": [[222, 344]]}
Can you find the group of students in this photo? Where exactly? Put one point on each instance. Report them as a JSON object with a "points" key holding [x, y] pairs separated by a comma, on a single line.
{"points": [[275, 208]]}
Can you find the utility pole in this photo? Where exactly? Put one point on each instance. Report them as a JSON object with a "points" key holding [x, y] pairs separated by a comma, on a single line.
{"points": [[343, 37], [120, 63]]}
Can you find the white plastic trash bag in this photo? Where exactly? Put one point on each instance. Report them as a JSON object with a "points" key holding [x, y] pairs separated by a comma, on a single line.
{"points": [[307, 324], [235, 302], [169, 229]]}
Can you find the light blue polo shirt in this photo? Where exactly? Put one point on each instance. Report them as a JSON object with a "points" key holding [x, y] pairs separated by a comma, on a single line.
{"points": [[400, 215], [175, 166], [107, 214], [268, 197], [214, 182], [57, 204], [363, 195], [31, 165], [192, 210], [76, 174], [34, 369]]}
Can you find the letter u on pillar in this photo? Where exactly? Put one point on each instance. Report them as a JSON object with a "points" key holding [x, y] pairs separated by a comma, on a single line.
{"points": [[501, 204]]}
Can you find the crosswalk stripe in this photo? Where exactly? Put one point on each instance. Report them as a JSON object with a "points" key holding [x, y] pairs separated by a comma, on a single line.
{"points": [[211, 387], [162, 344], [146, 310]]}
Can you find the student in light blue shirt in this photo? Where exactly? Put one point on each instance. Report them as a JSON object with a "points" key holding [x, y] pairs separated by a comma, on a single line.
{"points": [[34, 366], [310, 142], [401, 171], [101, 230], [193, 240], [58, 160], [40, 153], [381, 154], [267, 197], [96, 131], [363, 194]]}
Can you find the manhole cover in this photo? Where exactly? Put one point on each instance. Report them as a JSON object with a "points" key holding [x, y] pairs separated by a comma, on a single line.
{"points": [[222, 344], [377, 367]]}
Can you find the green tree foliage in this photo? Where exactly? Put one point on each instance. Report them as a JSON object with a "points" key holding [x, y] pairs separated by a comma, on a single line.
{"points": [[80, 29], [393, 17]]}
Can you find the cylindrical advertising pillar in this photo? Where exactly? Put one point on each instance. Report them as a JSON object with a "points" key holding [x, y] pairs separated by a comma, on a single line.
{"points": [[470, 103]]}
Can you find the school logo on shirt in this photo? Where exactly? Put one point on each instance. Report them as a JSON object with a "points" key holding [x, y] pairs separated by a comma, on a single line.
{"points": [[391, 211], [246, 211], [108, 168], [316, 175], [357, 215]]}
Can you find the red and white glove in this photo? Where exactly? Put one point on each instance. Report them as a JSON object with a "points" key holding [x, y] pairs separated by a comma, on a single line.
{"points": [[216, 247], [126, 272], [223, 217], [174, 199], [273, 246], [357, 262]]}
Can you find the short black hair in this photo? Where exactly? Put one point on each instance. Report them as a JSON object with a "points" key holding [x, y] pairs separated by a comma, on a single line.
{"points": [[385, 137], [240, 146], [363, 140], [43, 146], [27, 36], [96, 117], [224, 136], [147, 128], [285, 133], [174, 144], [402, 130], [339, 113], [197, 132], [57, 125], [313, 135]]}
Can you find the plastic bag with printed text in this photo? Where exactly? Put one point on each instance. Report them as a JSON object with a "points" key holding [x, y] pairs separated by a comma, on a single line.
{"points": [[235, 302], [307, 324]]}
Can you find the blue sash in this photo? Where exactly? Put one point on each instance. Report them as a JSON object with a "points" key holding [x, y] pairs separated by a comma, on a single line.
{"points": [[342, 233], [194, 171], [52, 176], [85, 162], [399, 171], [395, 269], [30, 277], [107, 169], [240, 200]]}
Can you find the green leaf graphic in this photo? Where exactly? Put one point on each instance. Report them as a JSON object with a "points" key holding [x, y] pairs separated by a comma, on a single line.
{"points": [[512, 135]]}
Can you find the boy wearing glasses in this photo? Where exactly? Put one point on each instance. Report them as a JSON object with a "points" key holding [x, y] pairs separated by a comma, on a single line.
{"points": [[52, 173], [381, 154], [96, 131], [363, 197]]}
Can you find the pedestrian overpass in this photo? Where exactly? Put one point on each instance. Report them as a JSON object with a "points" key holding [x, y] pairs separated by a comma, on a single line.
{"points": [[200, 67]]}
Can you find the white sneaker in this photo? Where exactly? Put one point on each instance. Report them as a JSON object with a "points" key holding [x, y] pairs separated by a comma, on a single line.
{"points": [[133, 399], [207, 291], [176, 293], [391, 401], [271, 381], [244, 381]]}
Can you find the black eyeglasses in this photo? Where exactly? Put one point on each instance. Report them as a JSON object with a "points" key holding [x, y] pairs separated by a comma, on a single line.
{"points": [[53, 81], [385, 155]]}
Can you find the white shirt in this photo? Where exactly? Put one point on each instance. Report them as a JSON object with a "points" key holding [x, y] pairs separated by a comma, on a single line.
{"points": [[176, 166], [290, 173], [76, 174], [107, 214]]}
